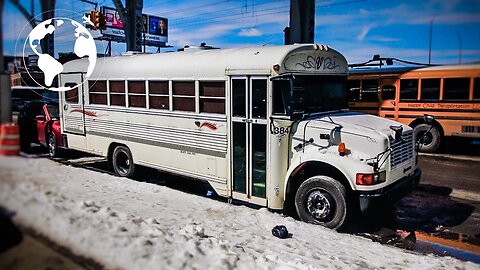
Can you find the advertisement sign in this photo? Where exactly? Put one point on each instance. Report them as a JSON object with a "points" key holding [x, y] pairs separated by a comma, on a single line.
{"points": [[154, 29]]}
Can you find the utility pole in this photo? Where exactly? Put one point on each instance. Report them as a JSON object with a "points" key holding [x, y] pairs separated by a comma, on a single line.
{"points": [[131, 17], [5, 91], [302, 22]]}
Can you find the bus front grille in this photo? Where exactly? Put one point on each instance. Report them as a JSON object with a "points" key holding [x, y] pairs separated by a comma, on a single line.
{"points": [[402, 151]]}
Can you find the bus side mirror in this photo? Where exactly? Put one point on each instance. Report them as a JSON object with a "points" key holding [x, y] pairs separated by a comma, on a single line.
{"points": [[428, 119]]}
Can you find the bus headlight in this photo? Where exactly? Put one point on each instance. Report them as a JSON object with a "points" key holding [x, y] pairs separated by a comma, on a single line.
{"points": [[368, 179]]}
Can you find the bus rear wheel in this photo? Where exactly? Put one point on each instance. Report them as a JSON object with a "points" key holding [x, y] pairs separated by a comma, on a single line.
{"points": [[429, 142], [122, 162], [322, 200]]}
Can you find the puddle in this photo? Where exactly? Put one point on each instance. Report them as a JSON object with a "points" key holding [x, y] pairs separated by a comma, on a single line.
{"points": [[442, 243], [460, 246]]}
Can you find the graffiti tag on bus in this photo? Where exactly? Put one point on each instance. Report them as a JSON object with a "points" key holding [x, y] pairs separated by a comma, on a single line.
{"points": [[318, 63]]}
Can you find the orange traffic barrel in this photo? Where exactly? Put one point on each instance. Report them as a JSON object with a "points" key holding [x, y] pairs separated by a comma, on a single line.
{"points": [[9, 140]]}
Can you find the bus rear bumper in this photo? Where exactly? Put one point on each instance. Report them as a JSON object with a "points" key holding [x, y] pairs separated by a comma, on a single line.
{"points": [[371, 201]]}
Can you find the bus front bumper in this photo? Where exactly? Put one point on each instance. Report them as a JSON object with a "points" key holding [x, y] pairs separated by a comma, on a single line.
{"points": [[371, 201]]}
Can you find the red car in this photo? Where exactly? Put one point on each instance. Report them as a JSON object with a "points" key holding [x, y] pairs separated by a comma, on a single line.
{"points": [[39, 123]]}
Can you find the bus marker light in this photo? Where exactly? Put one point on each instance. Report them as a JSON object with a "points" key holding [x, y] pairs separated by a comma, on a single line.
{"points": [[276, 67], [341, 149]]}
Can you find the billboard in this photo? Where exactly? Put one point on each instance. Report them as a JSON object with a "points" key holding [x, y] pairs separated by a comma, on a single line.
{"points": [[154, 29]]}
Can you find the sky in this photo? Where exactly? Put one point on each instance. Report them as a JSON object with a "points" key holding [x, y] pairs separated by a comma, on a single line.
{"points": [[358, 29]]}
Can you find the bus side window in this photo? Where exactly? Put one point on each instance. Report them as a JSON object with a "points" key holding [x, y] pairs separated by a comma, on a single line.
{"points": [[212, 97], [353, 87], [97, 92], [370, 90], [136, 94], [408, 89], [281, 89], [184, 96], [158, 95], [430, 89], [117, 93], [476, 88], [71, 96], [456, 88], [388, 92]]}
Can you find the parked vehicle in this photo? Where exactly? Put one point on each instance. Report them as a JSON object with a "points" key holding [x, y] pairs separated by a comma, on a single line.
{"points": [[265, 125], [451, 93], [39, 123]]}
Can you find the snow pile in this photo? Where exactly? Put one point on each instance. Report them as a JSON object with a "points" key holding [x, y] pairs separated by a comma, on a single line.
{"points": [[132, 225]]}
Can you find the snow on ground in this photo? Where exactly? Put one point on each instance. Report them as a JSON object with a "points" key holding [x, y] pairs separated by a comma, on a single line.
{"points": [[127, 224]]}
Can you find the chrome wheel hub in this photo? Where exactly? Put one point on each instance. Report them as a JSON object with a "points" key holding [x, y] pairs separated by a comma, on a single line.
{"points": [[318, 204]]}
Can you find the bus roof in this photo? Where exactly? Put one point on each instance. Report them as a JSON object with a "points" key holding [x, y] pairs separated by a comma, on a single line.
{"points": [[216, 63]]}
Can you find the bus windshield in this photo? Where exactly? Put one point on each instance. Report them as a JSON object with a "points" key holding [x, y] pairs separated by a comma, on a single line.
{"points": [[309, 94]]}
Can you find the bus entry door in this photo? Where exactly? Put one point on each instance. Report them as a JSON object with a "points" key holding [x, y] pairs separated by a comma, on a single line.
{"points": [[249, 138]]}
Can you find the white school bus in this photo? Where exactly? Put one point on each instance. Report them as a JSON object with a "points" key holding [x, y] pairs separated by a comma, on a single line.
{"points": [[264, 125]]}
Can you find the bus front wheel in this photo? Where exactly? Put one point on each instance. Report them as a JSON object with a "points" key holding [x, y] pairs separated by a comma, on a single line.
{"points": [[122, 162], [322, 200], [429, 140]]}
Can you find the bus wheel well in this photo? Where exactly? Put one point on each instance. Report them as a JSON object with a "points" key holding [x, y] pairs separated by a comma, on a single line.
{"points": [[303, 172], [419, 121], [111, 148]]}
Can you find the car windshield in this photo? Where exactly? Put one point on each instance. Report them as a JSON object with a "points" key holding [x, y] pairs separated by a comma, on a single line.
{"points": [[309, 94], [53, 110]]}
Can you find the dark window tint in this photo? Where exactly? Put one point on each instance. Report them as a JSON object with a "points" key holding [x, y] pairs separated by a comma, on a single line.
{"points": [[136, 87], [388, 92], [259, 160], [408, 89], [117, 87], [159, 95], [212, 97], [456, 88], [184, 104], [353, 87], [97, 86], [117, 93], [281, 97], [184, 96], [158, 87], [476, 88], [430, 89], [239, 156], [238, 97], [71, 96], [159, 102], [212, 89], [259, 98], [97, 92], [98, 99], [136, 94], [370, 90], [184, 88]]}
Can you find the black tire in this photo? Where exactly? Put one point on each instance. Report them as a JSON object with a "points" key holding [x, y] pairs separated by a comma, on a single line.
{"points": [[322, 200], [429, 142], [122, 162], [52, 145]]}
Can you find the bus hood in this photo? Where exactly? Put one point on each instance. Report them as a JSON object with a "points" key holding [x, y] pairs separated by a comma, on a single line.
{"points": [[363, 133]]}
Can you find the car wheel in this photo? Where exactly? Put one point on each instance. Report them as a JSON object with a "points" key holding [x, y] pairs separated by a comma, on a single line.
{"points": [[429, 142], [322, 200], [52, 145], [122, 162]]}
